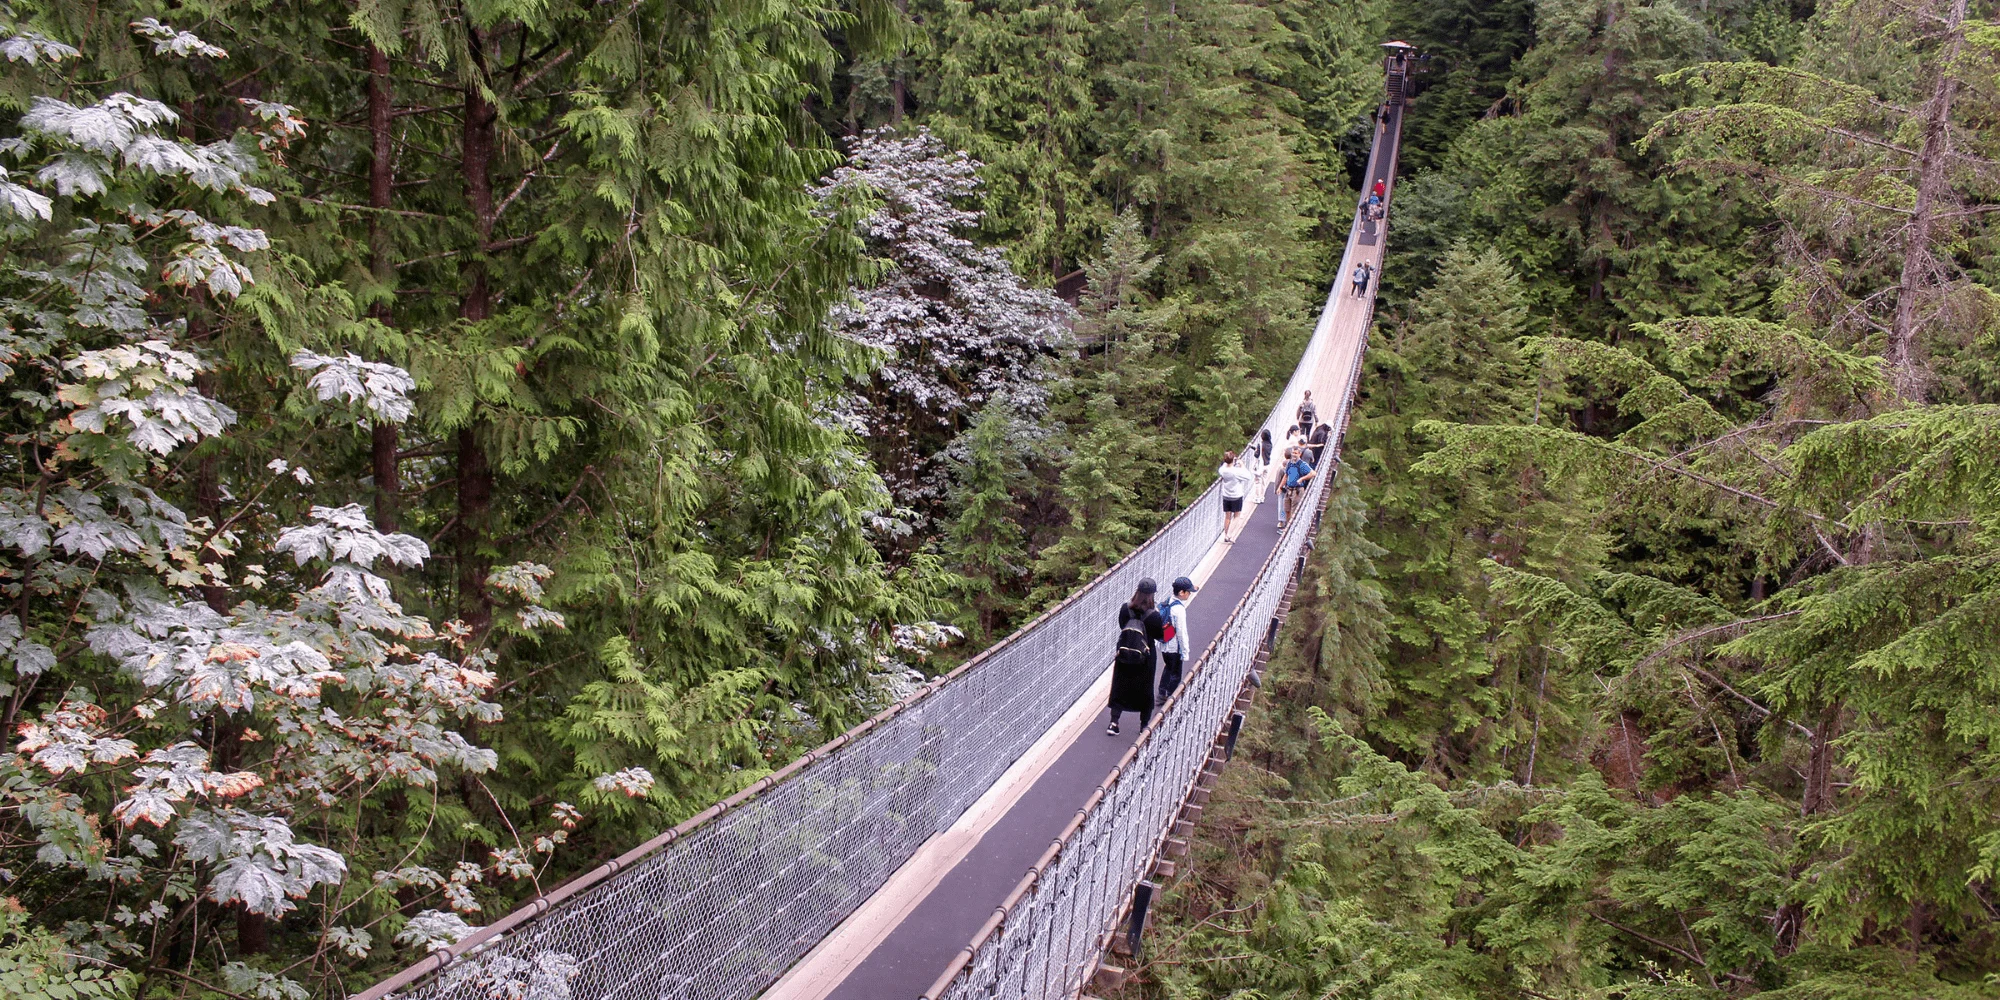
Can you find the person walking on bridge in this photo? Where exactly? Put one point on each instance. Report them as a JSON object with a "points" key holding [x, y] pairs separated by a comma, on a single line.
{"points": [[1362, 272], [1298, 474], [1236, 482], [1308, 413], [1173, 652], [1295, 437], [1262, 449], [1318, 441], [1140, 628]]}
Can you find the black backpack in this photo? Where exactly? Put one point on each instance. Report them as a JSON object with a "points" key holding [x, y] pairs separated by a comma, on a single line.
{"points": [[1134, 648]]}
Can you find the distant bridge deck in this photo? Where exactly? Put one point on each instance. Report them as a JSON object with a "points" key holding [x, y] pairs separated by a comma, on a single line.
{"points": [[980, 839], [896, 945]]}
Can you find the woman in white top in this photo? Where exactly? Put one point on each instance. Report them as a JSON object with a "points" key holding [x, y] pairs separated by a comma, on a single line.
{"points": [[1236, 482]]}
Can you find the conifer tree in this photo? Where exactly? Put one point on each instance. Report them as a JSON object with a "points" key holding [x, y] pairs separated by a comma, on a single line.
{"points": [[984, 541], [1882, 174], [1457, 353], [1010, 82], [1205, 149], [1097, 493], [956, 327], [1227, 406]]}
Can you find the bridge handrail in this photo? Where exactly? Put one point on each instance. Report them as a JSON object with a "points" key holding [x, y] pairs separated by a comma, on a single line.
{"points": [[1045, 938], [717, 907], [1176, 547]]}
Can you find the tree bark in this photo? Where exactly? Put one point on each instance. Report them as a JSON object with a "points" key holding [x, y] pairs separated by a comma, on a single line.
{"points": [[475, 474], [1933, 195], [898, 84], [1816, 798], [381, 194]]}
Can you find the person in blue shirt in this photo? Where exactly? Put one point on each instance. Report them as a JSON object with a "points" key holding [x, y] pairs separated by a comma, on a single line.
{"points": [[1298, 474]]}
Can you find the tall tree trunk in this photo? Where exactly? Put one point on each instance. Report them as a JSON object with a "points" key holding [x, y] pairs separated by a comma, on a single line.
{"points": [[1815, 799], [381, 194], [899, 84], [475, 474], [1933, 196]]}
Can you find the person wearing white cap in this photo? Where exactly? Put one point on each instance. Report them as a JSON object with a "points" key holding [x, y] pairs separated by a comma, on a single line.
{"points": [[1173, 652]]}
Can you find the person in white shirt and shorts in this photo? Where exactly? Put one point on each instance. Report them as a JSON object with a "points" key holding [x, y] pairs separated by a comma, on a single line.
{"points": [[1236, 483]]}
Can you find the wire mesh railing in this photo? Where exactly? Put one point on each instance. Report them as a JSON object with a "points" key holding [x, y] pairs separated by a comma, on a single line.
{"points": [[1051, 933], [1047, 938], [720, 906]]}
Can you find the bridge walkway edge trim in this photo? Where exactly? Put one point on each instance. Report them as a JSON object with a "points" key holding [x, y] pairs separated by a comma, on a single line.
{"points": [[535, 907], [950, 979]]}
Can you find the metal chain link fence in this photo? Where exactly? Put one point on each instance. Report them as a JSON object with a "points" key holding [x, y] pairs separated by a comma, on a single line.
{"points": [[719, 907], [1049, 936]]}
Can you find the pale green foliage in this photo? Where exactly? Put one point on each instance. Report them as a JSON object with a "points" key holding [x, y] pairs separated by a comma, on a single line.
{"points": [[178, 724], [35, 965]]}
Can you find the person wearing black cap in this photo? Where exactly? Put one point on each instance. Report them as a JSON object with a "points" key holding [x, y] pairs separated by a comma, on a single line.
{"points": [[1140, 628], [1174, 651]]}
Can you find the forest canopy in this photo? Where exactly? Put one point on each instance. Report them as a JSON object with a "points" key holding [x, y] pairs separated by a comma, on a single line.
{"points": [[450, 444], [1653, 648]]}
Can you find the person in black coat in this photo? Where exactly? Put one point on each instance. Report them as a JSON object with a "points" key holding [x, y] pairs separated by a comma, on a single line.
{"points": [[1140, 630]]}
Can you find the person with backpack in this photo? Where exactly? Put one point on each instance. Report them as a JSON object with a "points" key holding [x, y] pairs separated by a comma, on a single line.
{"points": [[1140, 628], [1236, 482], [1298, 473], [1295, 437], [1173, 652], [1362, 272], [1308, 413]]}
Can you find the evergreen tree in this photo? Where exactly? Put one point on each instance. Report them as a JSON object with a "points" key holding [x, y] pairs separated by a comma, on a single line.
{"points": [[955, 325], [590, 238], [1010, 82], [1206, 150], [984, 542], [1462, 695], [1879, 174], [1601, 230], [1225, 410], [1097, 493]]}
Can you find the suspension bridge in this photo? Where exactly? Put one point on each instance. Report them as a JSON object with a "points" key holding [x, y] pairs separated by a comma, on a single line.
{"points": [[983, 838]]}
